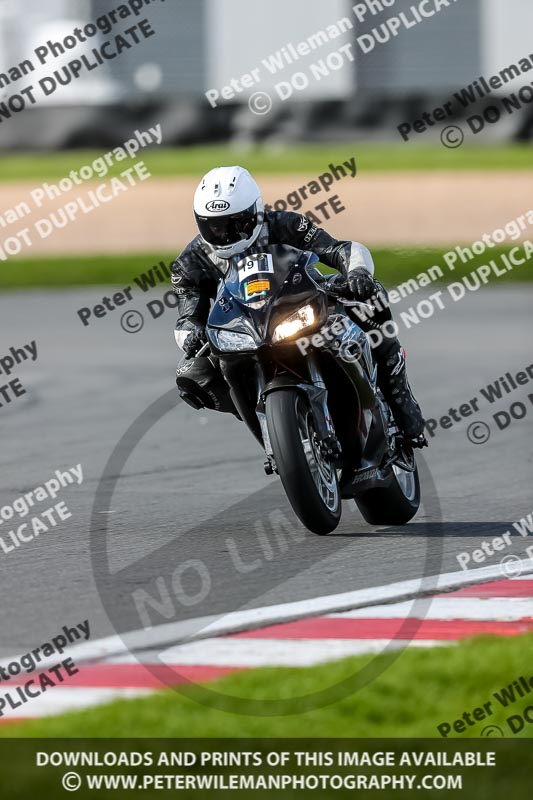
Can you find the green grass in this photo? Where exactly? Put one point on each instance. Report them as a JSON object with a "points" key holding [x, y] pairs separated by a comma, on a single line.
{"points": [[393, 266], [53, 273], [309, 160], [418, 691]]}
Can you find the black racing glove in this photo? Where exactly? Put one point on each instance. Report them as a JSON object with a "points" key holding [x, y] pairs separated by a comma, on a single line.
{"points": [[195, 340], [336, 285], [362, 284]]}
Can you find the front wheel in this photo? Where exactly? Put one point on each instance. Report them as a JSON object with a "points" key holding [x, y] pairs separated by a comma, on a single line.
{"points": [[310, 480]]}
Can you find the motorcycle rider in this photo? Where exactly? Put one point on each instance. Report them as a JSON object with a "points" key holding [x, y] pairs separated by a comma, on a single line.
{"points": [[230, 215]]}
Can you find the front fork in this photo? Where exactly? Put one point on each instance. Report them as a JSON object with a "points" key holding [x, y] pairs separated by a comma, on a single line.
{"points": [[317, 395], [270, 465], [329, 443]]}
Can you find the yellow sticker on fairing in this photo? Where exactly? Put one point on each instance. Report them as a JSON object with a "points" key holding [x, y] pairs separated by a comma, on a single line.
{"points": [[256, 287]]}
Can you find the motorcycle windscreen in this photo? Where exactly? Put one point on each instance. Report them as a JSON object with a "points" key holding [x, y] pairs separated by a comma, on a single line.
{"points": [[256, 278]]}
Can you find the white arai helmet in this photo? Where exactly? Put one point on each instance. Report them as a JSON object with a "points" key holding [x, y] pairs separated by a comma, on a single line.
{"points": [[229, 210]]}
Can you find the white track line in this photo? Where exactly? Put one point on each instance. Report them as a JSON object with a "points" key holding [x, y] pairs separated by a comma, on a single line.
{"points": [[505, 609], [72, 698], [249, 619], [279, 652]]}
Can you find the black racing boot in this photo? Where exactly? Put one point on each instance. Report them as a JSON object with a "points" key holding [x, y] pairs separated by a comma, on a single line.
{"points": [[393, 382]]}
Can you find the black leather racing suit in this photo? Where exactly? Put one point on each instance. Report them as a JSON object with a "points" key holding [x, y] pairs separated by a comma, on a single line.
{"points": [[197, 271]]}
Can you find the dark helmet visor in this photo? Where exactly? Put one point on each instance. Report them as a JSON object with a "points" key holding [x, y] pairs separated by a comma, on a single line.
{"points": [[228, 230]]}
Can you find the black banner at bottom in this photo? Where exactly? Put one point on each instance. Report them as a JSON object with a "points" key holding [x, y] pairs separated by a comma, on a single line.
{"points": [[243, 768]]}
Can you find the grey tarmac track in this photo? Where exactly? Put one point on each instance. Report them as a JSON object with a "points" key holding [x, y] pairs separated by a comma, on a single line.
{"points": [[193, 489]]}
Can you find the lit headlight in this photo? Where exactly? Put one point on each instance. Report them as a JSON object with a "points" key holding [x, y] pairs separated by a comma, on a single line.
{"points": [[231, 341], [303, 318]]}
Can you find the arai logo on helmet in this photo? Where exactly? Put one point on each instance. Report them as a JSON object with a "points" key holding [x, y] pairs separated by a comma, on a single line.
{"points": [[217, 205]]}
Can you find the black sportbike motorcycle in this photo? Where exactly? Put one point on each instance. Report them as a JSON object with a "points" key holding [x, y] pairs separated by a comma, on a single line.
{"points": [[302, 378]]}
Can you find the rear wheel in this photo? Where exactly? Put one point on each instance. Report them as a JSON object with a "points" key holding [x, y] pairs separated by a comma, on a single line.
{"points": [[309, 479]]}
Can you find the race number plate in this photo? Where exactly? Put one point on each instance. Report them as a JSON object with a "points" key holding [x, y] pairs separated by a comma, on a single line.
{"points": [[255, 264]]}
